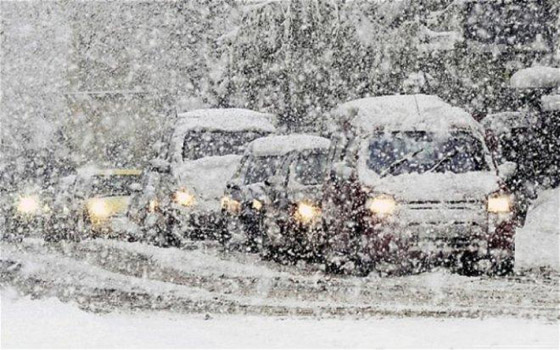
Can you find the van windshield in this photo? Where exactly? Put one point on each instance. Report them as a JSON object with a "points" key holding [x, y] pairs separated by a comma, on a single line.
{"points": [[261, 168], [420, 152], [113, 185], [310, 168], [203, 143]]}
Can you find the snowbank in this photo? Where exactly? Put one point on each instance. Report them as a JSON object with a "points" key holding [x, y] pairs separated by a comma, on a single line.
{"points": [[282, 144], [537, 243], [536, 77], [51, 324], [406, 112]]}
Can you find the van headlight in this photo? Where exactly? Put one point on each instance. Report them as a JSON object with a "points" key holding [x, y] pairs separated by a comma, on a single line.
{"points": [[499, 203], [28, 205], [257, 204], [307, 212], [99, 208], [231, 205], [153, 204], [382, 205], [184, 198]]}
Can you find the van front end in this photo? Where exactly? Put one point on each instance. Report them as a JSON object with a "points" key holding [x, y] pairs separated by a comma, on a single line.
{"points": [[472, 236]]}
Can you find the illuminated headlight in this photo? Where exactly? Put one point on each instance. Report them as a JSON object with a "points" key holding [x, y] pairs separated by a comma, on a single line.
{"points": [[98, 208], [184, 198], [231, 205], [307, 212], [382, 205], [499, 203], [257, 204], [28, 205], [153, 204]]}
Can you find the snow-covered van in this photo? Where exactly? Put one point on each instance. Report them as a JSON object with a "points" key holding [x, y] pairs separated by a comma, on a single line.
{"points": [[277, 174], [413, 183], [205, 149]]}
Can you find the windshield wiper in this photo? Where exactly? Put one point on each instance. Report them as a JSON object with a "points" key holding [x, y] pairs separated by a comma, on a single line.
{"points": [[444, 159], [400, 161]]}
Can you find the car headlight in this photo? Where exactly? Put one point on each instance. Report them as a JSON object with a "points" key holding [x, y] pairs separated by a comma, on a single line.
{"points": [[28, 205], [184, 198], [382, 205], [153, 204], [499, 203], [99, 208], [307, 212], [257, 204], [231, 205]]}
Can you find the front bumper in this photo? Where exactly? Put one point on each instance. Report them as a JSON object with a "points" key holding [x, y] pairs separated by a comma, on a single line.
{"points": [[397, 241]]}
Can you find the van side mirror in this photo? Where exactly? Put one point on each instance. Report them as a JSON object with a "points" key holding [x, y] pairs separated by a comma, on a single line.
{"points": [[506, 169], [274, 181], [233, 185], [160, 165], [135, 187], [342, 170]]}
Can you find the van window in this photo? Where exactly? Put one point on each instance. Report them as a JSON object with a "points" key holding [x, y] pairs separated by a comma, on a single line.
{"points": [[113, 185], [261, 168], [203, 143], [310, 168], [420, 152]]}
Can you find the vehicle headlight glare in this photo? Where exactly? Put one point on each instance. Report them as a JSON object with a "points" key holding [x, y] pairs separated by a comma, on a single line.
{"points": [[501, 203], [307, 212], [382, 205], [153, 204], [184, 198], [28, 205], [257, 204], [99, 208], [231, 205]]}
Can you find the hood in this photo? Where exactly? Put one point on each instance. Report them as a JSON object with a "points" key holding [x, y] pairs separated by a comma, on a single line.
{"points": [[206, 177], [433, 186]]}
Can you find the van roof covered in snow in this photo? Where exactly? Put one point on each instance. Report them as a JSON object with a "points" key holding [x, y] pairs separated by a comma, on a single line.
{"points": [[282, 144], [535, 78], [226, 119], [406, 113], [89, 171]]}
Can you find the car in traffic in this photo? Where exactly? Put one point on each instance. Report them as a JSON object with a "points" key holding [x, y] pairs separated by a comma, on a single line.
{"points": [[204, 149], [413, 184], [275, 173], [92, 203]]}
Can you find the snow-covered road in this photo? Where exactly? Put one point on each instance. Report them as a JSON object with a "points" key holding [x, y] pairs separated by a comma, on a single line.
{"points": [[48, 323], [104, 275]]}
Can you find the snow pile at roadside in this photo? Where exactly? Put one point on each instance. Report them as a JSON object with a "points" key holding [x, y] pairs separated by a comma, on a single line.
{"points": [[537, 243], [49, 323], [536, 77]]}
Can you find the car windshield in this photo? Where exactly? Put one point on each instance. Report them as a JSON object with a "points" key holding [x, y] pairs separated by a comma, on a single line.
{"points": [[310, 168], [113, 185], [198, 144], [261, 168], [419, 152]]}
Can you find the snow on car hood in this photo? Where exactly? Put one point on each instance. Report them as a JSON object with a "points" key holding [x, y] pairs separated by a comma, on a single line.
{"points": [[432, 186], [206, 178]]}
